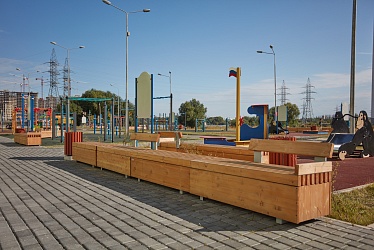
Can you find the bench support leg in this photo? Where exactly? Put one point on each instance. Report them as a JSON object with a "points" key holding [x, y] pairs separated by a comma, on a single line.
{"points": [[319, 159], [201, 198], [279, 221], [181, 191]]}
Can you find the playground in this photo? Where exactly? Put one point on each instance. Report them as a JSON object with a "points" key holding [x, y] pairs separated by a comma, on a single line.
{"points": [[246, 169]]}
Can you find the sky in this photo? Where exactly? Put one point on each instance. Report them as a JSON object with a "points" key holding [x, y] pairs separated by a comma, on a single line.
{"points": [[197, 41]]}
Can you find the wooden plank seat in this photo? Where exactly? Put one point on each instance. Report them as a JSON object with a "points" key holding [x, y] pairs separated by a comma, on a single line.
{"points": [[292, 194], [230, 152], [170, 136], [28, 138], [147, 137], [319, 150]]}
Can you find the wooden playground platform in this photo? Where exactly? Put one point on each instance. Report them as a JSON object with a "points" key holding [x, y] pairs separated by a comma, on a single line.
{"points": [[293, 194]]}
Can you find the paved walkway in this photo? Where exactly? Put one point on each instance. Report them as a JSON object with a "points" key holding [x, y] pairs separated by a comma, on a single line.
{"points": [[49, 203]]}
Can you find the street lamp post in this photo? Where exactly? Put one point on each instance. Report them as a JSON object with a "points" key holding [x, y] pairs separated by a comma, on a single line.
{"points": [[69, 84], [275, 86], [118, 112], [127, 48], [171, 102]]}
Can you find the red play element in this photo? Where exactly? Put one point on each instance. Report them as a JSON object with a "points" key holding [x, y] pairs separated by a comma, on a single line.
{"points": [[241, 121]]}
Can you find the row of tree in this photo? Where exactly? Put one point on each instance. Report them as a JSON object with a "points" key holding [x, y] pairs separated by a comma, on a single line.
{"points": [[189, 111]]}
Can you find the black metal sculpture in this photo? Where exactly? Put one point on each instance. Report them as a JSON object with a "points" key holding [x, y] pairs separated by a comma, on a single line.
{"points": [[338, 124], [364, 135]]}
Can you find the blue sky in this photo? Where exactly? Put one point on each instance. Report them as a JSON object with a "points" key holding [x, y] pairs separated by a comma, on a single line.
{"points": [[198, 41]]}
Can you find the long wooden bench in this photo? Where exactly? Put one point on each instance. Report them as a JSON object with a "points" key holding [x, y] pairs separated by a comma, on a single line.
{"points": [[28, 138], [292, 194]]}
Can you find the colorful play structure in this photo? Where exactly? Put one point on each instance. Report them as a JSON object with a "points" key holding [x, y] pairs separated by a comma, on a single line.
{"points": [[39, 119]]}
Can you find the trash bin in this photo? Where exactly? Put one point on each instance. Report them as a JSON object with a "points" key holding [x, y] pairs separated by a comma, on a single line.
{"points": [[71, 137]]}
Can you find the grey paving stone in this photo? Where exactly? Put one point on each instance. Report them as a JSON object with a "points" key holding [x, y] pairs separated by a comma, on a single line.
{"points": [[52, 203]]}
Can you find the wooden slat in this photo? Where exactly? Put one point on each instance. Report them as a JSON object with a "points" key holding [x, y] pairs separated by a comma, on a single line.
{"points": [[313, 167], [145, 137], [170, 134], [293, 147], [87, 145], [271, 173]]}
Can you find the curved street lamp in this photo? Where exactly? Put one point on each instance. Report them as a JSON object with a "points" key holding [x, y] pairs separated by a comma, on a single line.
{"points": [[275, 85], [127, 49]]}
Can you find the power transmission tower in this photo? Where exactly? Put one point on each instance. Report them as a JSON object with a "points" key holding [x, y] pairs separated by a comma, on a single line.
{"points": [[66, 78], [307, 105], [53, 87], [283, 93]]}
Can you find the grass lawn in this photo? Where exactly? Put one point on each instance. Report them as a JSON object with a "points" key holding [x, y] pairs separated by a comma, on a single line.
{"points": [[356, 206]]}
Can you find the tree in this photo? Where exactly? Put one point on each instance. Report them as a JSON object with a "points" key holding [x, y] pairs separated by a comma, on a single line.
{"points": [[193, 110], [292, 113], [96, 108], [252, 121], [217, 120]]}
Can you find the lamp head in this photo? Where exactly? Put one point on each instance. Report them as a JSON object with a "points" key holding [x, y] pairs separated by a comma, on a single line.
{"points": [[271, 46], [54, 43], [260, 51], [107, 2], [145, 10], [81, 47]]}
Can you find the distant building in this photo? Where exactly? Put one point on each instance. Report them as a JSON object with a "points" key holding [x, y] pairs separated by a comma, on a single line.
{"points": [[10, 100]]}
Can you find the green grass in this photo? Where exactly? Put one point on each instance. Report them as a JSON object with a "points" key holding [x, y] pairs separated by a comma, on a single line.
{"points": [[355, 207]]}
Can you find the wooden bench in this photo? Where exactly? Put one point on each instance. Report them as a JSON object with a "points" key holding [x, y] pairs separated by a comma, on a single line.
{"points": [[147, 137], [28, 139], [230, 152], [174, 136], [286, 193], [319, 150]]}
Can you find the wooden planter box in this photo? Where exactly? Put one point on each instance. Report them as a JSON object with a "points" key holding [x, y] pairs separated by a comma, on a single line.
{"points": [[46, 133], [28, 139]]}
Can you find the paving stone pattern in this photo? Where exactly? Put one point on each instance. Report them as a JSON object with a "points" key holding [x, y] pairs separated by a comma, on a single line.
{"points": [[49, 203]]}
